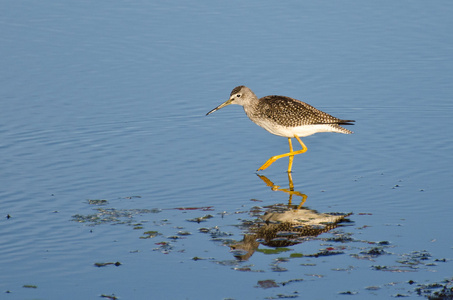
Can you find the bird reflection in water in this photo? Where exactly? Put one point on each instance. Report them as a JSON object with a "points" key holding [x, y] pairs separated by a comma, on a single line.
{"points": [[285, 225]]}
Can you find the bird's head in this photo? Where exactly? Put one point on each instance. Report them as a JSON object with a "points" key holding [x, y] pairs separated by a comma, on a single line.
{"points": [[240, 95]]}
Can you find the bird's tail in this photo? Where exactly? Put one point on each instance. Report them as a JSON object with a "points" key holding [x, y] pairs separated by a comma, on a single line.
{"points": [[346, 122], [340, 129]]}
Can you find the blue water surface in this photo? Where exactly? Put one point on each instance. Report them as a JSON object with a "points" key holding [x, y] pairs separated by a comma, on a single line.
{"points": [[107, 100]]}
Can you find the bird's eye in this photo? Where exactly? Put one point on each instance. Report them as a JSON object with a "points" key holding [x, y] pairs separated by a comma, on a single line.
{"points": [[238, 95]]}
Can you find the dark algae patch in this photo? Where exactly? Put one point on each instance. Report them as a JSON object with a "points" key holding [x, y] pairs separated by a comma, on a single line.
{"points": [[149, 234], [107, 264], [266, 284], [324, 252], [201, 219], [112, 216], [98, 201], [111, 297], [436, 291]]}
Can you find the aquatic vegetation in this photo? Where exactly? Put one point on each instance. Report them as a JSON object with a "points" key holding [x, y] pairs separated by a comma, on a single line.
{"points": [[112, 216], [438, 290], [278, 231], [30, 286], [201, 219], [117, 264], [150, 234], [111, 297], [98, 202]]}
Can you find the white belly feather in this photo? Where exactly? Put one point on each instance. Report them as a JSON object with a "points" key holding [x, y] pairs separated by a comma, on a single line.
{"points": [[301, 131]]}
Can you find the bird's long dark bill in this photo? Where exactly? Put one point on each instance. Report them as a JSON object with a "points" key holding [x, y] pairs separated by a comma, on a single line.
{"points": [[228, 102]]}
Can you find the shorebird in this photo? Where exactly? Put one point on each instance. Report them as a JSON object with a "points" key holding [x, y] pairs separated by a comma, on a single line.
{"points": [[284, 116]]}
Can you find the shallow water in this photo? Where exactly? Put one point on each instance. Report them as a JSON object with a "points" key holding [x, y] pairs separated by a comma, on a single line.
{"points": [[107, 101]]}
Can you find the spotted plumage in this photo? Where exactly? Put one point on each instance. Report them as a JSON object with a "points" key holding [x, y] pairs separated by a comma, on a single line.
{"points": [[289, 112], [284, 116]]}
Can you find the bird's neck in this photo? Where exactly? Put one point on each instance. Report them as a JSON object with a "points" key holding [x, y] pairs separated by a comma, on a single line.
{"points": [[251, 107]]}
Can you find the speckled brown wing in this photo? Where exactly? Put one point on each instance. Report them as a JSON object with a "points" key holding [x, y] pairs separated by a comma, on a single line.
{"points": [[290, 112]]}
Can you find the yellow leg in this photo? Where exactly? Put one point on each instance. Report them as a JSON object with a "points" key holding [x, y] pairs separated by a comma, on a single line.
{"points": [[304, 148], [291, 154], [291, 157]]}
